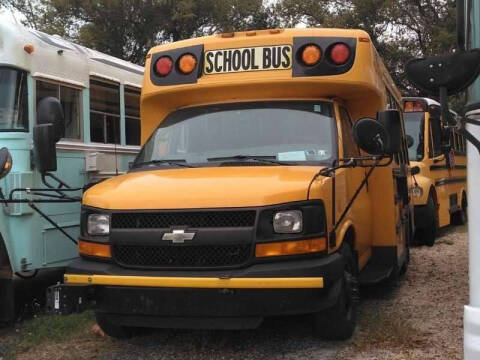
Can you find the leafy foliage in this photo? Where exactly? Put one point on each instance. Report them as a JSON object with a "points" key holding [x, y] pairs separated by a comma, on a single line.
{"points": [[400, 29]]}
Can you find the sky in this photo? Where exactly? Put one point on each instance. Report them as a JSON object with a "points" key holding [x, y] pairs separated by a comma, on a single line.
{"points": [[8, 16]]}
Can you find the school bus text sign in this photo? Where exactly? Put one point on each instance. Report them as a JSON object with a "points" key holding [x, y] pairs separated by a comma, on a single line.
{"points": [[260, 58]]}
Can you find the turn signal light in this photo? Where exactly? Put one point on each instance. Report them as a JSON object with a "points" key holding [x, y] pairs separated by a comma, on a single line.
{"points": [[311, 55], [340, 53], [94, 249], [163, 66], [413, 106], [187, 63], [291, 247], [29, 48]]}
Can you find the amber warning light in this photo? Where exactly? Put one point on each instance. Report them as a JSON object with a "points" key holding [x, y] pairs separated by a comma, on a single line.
{"points": [[311, 55], [187, 63], [413, 106]]}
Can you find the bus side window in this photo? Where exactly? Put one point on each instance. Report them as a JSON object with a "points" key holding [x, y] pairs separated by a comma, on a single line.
{"points": [[435, 143], [132, 116], [104, 112], [70, 98], [350, 148]]}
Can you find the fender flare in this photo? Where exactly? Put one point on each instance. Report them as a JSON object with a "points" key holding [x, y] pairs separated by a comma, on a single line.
{"points": [[427, 185], [347, 225]]}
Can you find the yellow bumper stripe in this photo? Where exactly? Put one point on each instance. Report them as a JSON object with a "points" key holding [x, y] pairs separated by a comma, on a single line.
{"points": [[197, 282]]}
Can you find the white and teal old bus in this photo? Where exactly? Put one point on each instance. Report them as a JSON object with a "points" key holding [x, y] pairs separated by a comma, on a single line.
{"points": [[99, 136]]}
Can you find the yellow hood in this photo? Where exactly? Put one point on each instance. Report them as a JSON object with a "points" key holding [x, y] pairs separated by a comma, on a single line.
{"points": [[202, 188]]}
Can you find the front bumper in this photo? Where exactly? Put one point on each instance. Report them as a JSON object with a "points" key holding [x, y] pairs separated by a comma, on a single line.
{"points": [[238, 298]]}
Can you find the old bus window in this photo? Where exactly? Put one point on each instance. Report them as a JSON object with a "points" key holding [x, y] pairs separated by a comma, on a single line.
{"points": [[13, 100], [132, 116], [350, 148], [104, 112], [71, 105], [435, 133]]}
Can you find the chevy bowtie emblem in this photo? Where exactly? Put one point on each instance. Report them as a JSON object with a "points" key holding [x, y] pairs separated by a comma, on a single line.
{"points": [[178, 236]]}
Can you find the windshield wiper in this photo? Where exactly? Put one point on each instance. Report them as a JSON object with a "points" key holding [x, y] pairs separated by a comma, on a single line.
{"points": [[258, 158], [176, 162]]}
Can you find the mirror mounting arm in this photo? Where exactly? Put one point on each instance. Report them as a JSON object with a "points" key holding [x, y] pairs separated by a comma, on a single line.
{"points": [[443, 97], [355, 162], [459, 125]]}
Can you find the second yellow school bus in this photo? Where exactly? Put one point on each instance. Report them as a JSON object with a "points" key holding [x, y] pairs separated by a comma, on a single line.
{"points": [[440, 198], [250, 197]]}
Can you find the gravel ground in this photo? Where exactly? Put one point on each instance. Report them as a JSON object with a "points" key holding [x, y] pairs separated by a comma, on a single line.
{"points": [[419, 319]]}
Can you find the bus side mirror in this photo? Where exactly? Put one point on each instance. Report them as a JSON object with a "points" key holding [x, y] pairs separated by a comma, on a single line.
{"points": [[6, 162], [392, 122], [410, 141], [370, 136], [47, 133]]}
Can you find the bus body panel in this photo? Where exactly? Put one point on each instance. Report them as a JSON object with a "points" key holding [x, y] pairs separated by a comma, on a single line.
{"points": [[441, 178], [32, 242], [377, 226]]}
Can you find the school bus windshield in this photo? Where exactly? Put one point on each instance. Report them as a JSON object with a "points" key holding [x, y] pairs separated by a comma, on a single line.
{"points": [[414, 126], [292, 131]]}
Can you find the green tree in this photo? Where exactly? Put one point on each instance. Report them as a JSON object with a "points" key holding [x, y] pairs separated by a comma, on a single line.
{"points": [[400, 29], [128, 28]]}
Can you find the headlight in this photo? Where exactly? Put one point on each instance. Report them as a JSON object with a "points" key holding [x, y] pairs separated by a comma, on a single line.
{"points": [[417, 191], [98, 224], [288, 222]]}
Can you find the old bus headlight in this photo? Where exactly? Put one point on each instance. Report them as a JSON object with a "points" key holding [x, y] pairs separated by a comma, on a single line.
{"points": [[98, 224], [417, 192], [288, 222]]}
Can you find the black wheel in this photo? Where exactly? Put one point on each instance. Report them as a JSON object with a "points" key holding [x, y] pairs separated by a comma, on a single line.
{"points": [[409, 240], [428, 230], [111, 329], [460, 217], [338, 322]]}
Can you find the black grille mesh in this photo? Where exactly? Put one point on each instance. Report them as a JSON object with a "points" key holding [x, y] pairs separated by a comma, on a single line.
{"points": [[193, 219], [181, 256]]}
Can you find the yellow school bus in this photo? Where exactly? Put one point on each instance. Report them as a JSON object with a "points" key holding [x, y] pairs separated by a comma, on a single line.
{"points": [[439, 156], [250, 197]]}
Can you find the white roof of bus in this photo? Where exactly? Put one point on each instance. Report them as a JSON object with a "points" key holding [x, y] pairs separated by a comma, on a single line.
{"points": [[427, 100], [61, 60]]}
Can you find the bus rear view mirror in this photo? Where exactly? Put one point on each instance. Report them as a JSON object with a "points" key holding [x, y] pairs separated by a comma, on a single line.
{"points": [[455, 72], [410, 141], [5, 162], [45, 152], [370, 136], [47, 133], [392, 122], [49, 111]]}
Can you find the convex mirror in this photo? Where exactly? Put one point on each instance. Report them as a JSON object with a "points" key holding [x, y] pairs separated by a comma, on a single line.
{"points": [[379, 137], [47, 133]]}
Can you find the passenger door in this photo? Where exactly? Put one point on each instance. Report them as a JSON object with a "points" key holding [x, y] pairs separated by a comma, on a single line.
{"points": [[439, 169], [361, 207], [403, 208]]}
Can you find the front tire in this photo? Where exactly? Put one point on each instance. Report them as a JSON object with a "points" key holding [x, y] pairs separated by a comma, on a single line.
{"points": [[339, 321], [111, 329], [428, 232], [460, 217]]}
